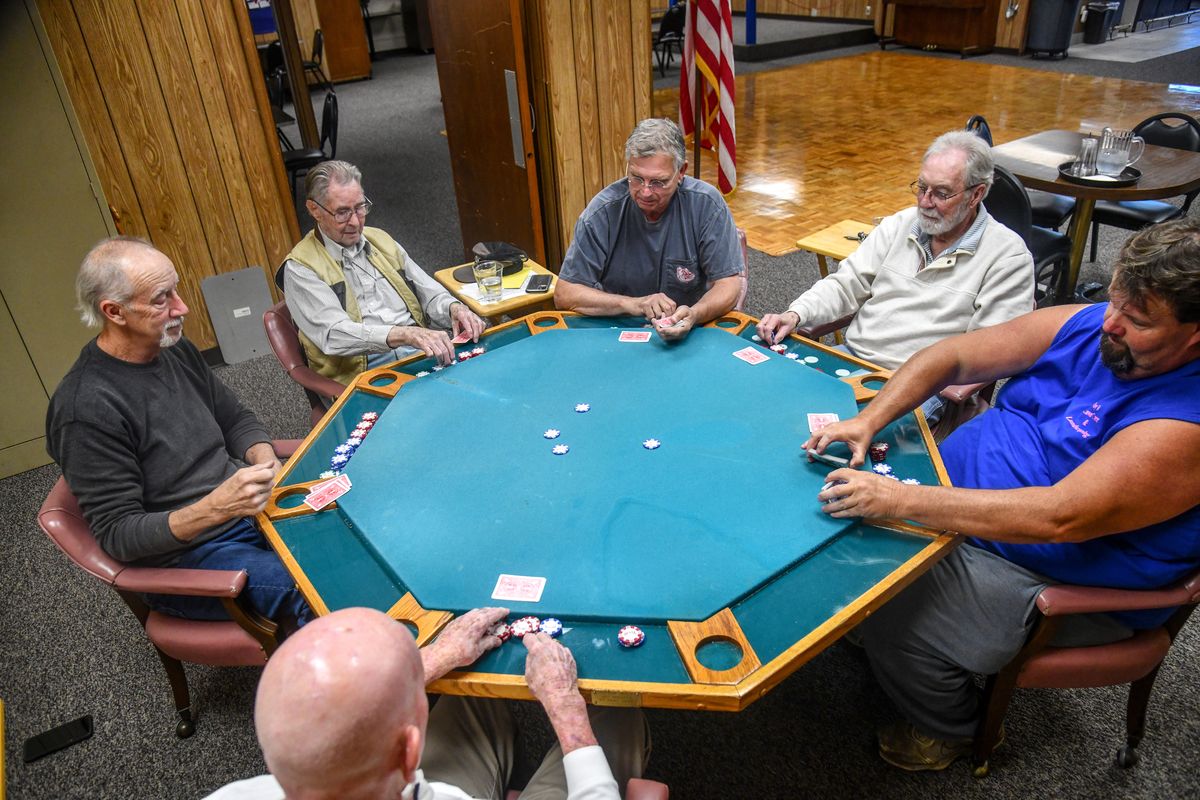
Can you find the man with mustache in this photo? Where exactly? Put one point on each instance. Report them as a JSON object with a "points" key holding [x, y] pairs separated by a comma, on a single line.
{"points": [[168, 467], [1086, 472], [935, 270]]}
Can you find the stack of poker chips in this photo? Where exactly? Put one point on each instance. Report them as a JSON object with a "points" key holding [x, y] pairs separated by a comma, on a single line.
{"points": [[346, 450], [878, 452]]}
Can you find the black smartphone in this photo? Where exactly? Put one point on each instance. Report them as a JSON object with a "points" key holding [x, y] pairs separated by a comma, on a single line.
{"points": [[64, 735], [538, 283]]}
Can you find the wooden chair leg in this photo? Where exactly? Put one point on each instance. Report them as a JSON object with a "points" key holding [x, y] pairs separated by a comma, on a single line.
{"points": [[1135, 718], [996, 696], [179, 688]]}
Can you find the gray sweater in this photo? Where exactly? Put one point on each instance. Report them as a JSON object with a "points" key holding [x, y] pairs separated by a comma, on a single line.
{"points": [[138, 441]]}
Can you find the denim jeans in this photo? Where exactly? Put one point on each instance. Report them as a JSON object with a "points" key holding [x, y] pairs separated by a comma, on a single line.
{"points": [[269, 590]]}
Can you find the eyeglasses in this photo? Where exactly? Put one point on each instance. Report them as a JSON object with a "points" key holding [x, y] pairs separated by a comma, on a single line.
{"points": [[938, 195], [343, 215], [656, 185]]}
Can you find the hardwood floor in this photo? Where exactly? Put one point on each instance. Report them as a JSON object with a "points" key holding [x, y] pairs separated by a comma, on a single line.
{"points": [[843, 138]]}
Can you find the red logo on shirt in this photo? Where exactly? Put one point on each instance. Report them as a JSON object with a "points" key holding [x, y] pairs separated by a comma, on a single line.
{"points": [[684, 275]]}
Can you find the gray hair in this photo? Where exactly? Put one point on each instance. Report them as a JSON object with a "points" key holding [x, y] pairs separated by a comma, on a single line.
{"points": [[979, 167], [654, 137], [102, 277], [317, 179], [1164, 261]]}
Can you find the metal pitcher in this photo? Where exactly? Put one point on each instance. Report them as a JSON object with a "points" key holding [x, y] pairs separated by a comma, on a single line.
{"points": [[1118, 149]]}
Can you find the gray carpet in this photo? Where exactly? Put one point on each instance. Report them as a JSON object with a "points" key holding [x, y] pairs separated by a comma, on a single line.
{"points": [[68, 646]]}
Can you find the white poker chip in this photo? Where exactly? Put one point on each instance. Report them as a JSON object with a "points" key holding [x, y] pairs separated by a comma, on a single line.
{"points": [[559, 449], [551, 433], [911, 481], [478, 351], [371, 416], [438, 368], [630, 636], [552, 627], [811, 359], [756, 338], [892, 475], [794, 356], [327, 474], [651, 444], [583, 408], [422, 373], [882, 469], [841, 373], [779, 348]]}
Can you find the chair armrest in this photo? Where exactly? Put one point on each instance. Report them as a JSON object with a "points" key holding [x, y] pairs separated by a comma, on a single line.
{"points": [[188, 582], [1061, 600], [286, 448], [960, 392], [817, 331], [311, 380]]}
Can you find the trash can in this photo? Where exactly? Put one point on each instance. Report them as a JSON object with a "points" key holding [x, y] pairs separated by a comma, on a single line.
{"points": [[1099, 22], [1050, 26]]}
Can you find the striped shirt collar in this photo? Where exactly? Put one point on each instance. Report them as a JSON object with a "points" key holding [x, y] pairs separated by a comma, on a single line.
{"points": [[967, 244]]}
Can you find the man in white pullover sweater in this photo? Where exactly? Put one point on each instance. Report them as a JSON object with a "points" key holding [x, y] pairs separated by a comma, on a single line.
{"points": [[941, 268]]}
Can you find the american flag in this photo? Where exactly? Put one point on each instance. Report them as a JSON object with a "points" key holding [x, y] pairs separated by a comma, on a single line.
{"points": [[708, 48]]}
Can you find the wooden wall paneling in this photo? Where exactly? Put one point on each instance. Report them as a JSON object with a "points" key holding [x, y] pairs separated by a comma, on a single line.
{"points": [[87, 98], [177, 78], [613, 60], [543, 142], [307, 23], [641, 35], [588, 109], [1010, 33], [126, 72], [230, 178], [253, 127]]}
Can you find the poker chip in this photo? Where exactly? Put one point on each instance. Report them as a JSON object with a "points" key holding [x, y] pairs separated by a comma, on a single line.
{"points": [[756, 338], [551, 433], [559, 449], [464, 355], [811, 359], [370, 416], [327, 474], [583, 408], [842, 373], [525, 625], [343, 450], [355, 442], [779, 348], [552, 627], [882, 469], [339, 461], [892, 475], [911, 481], [438, 368], [878, 451], [478, 351], [794, 356], [502, 632], [651, 444], [361, 430], [630, 636], [422, 373]]}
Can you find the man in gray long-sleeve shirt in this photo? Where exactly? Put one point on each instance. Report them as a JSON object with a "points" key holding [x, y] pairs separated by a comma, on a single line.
{"points": [[358, 299], [167, 465]]}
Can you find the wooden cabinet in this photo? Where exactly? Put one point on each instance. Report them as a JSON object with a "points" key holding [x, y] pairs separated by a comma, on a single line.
{"points": [[964, 26], [346, 55]]}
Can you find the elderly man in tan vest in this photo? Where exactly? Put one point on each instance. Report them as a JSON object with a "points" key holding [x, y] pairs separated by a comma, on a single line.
{"points": [[359, 300]]}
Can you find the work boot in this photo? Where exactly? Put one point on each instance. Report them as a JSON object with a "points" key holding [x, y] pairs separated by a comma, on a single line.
{"points": [[903, 746]]}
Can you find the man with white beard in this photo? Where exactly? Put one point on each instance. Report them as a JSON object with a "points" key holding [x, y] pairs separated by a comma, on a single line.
{"points": [[168, 466], [942, 268]]}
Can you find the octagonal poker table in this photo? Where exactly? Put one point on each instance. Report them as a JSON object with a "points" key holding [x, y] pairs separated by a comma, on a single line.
{"points": [[607, 478]]}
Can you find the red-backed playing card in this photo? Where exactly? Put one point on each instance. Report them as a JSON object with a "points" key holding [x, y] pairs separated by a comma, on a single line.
{"points": [[324, 493], [634, 336], [462, 338], [519, 587], [751, 355], [818, 421]]}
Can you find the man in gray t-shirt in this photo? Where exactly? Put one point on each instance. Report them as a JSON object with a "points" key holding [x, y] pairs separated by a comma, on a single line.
{"points": [[655, 244]]}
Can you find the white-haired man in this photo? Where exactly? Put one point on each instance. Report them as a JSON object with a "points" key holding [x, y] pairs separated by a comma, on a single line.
{"points": [[168, 466], [938, 269], [655, 244]]}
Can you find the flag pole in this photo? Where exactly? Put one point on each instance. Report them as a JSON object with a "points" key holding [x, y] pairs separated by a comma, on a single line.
{"points": [[696, 100]]}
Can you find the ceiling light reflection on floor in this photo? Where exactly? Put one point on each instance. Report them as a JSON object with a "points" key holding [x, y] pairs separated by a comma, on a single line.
{"points": [[780, 190]]}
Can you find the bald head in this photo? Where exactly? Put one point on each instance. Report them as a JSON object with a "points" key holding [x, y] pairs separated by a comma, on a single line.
{"points": [[104, 275], [341, 708]]}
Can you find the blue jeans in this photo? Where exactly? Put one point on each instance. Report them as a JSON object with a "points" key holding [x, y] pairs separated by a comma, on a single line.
{"points": [[269, 590]]}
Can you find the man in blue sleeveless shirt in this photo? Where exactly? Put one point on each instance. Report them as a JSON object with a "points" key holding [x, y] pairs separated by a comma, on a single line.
{"points": [[1087, 472]]}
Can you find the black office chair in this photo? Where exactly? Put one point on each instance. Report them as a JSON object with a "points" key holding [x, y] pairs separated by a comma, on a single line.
{"points": [[1133, 215], [1008, 203], [300, 160], [670, 36], [1049, 210], [313, 65]]}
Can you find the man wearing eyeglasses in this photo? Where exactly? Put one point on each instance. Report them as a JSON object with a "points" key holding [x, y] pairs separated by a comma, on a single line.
{"points": [[655, 244], [358, 299], [938, 269]]}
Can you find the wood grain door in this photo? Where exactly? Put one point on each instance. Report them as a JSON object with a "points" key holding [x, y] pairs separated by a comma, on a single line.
{"points": [[480, 51]]}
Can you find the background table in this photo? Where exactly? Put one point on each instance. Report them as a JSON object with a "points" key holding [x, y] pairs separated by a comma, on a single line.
{"points": [[713, 543], [832, 242], [513, 302], [1166, 172]]}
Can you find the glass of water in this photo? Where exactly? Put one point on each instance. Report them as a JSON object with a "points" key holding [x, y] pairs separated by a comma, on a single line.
{"points": [[488, 277]]}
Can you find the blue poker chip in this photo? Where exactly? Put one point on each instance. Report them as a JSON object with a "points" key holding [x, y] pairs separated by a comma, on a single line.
{"points": [[339, 461], [343, 450], [552, 627], [882, 469], [355, 442]]}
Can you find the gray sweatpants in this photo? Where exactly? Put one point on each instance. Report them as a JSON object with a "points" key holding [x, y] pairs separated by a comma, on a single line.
{"points": [[469, 744], [971, 613]]}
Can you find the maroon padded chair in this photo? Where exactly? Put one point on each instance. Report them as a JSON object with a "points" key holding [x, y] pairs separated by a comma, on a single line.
{"points": [[245, 640], [636, 789], [1135, 661], [285, 342]]}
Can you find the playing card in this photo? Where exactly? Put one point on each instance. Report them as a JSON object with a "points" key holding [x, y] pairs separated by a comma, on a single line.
{"points": [[634, 336], [751, 355], [522, 588], [324, 493], [818, 421], [462, 338]]}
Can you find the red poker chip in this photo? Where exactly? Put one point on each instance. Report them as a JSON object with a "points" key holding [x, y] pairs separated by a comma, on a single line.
{"points": [[502, 632], [878, 451], [525, 625], [630, 636]]}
